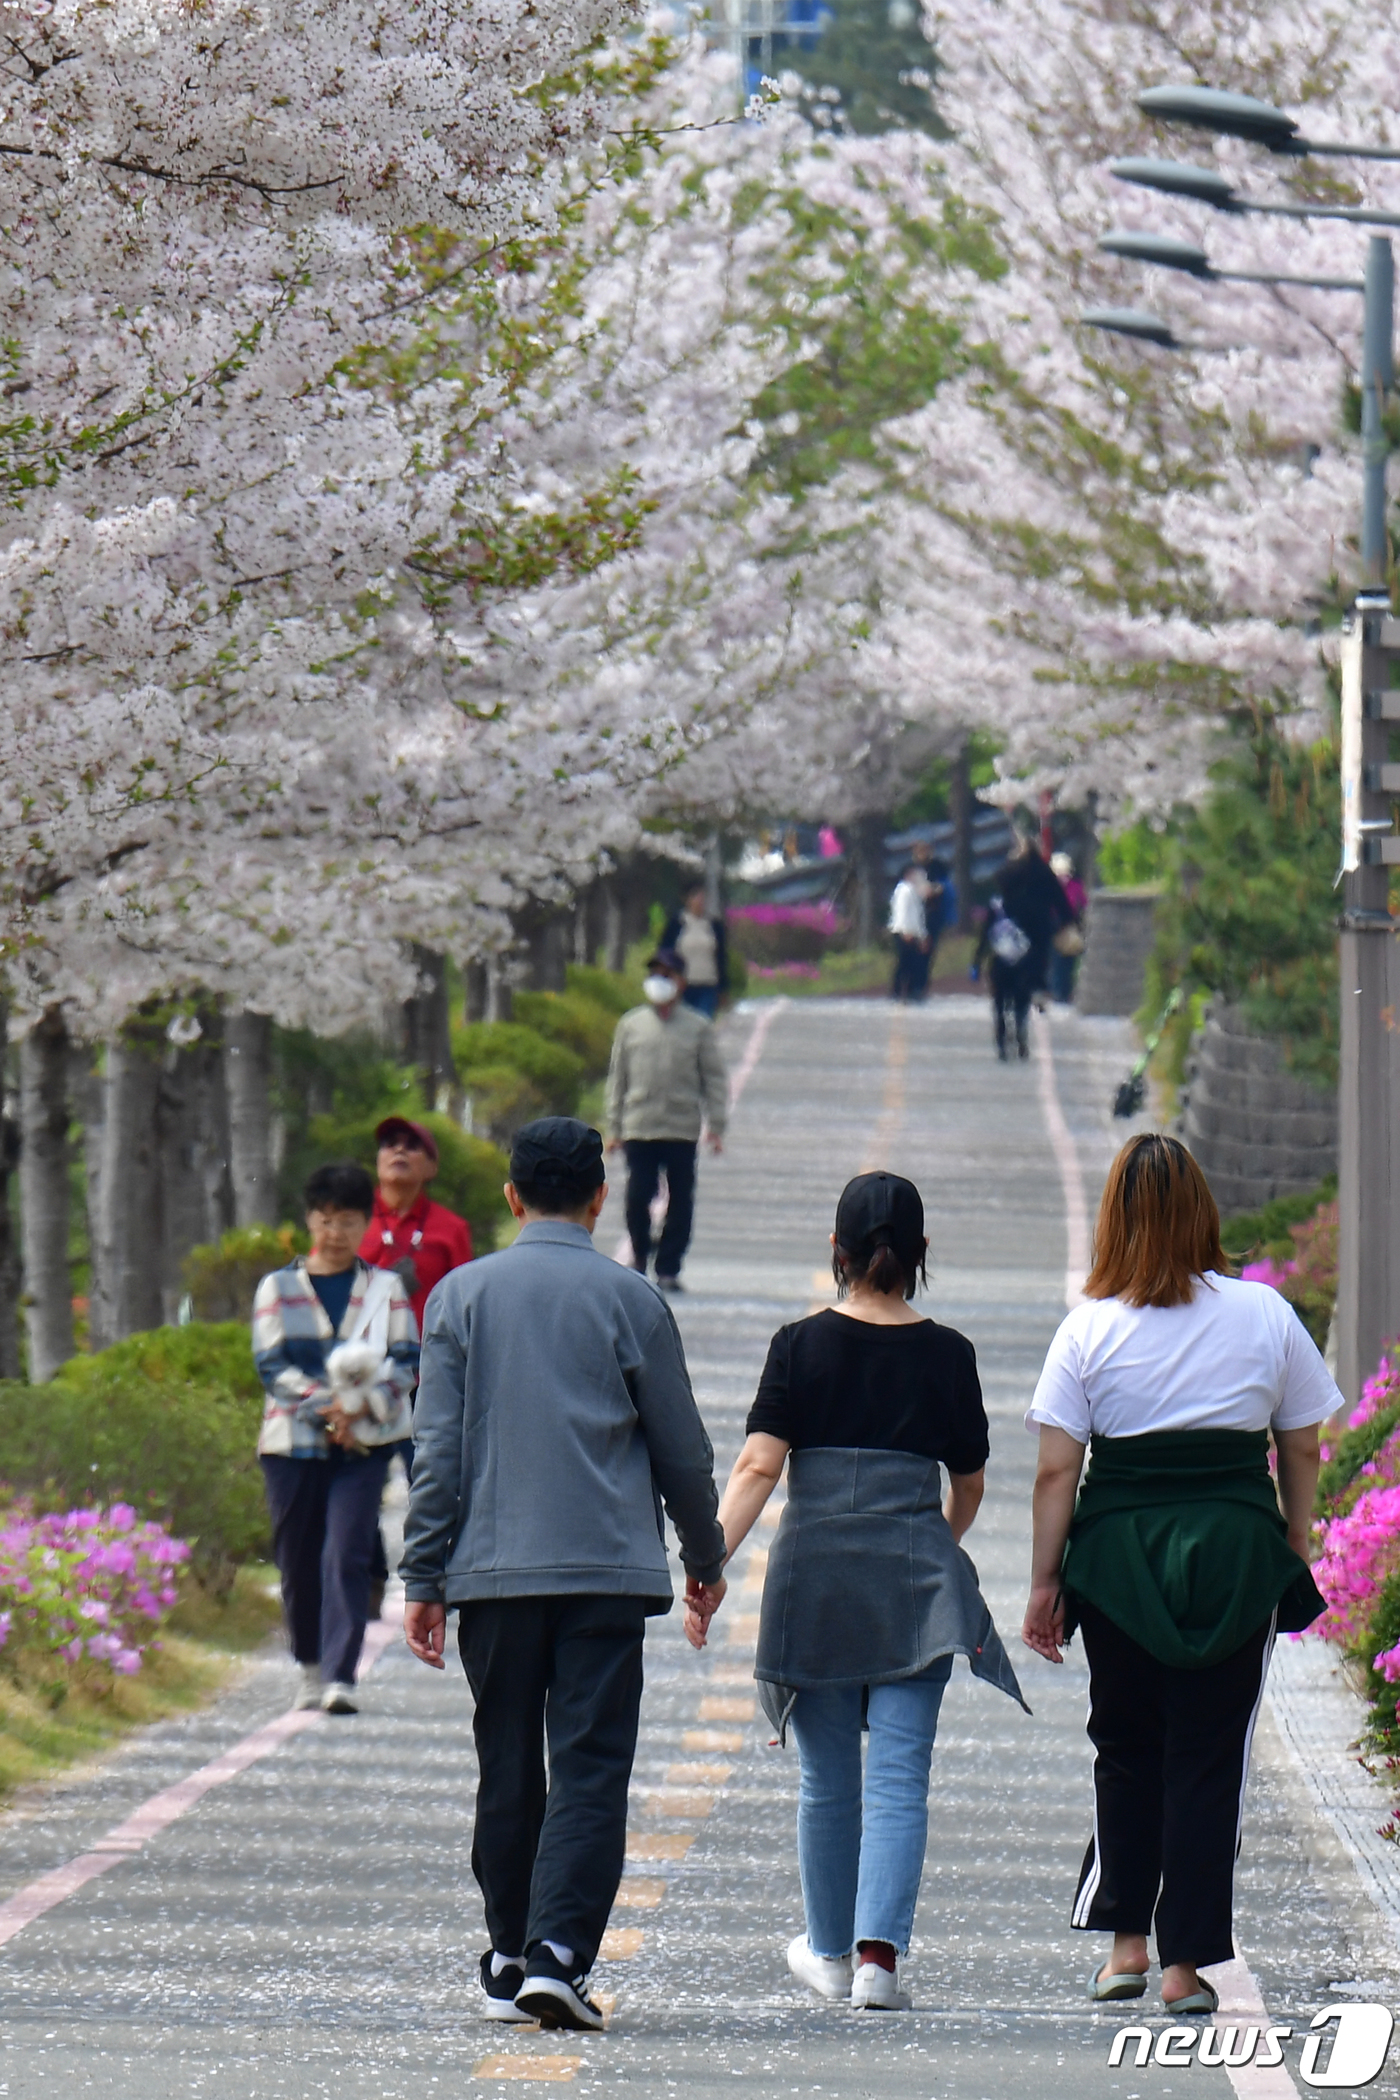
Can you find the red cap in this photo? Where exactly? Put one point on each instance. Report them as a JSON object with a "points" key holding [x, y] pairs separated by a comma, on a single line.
{"points": [[419, 1132]]}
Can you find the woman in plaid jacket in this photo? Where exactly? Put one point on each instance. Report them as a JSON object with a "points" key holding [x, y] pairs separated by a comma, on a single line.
{"points": [[336, 1346]]}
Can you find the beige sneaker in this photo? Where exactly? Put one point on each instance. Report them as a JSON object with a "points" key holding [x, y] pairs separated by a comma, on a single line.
{"points": [[339, 1699], [828, 1975], [311, 1688]]}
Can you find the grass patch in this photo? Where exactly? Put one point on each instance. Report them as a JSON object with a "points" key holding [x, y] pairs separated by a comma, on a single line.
{"points": [[50, 1721]]}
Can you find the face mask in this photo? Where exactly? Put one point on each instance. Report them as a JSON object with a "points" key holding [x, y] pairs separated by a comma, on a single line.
{"points": [[659, 990]]}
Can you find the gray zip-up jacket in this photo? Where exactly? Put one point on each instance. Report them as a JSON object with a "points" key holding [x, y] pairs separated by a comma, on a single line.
{"points": [[554, 1418]]}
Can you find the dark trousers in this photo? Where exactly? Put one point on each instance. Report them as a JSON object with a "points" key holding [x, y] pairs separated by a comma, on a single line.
{"points": [[325, 1520], [704, 998], [566, 1672], [1013, 985], [645, 1159], [1173, 1754], [911, 968]]}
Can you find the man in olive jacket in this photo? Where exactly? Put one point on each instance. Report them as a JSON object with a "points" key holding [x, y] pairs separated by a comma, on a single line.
{"points": [[666, 1077], [554, 1418]]}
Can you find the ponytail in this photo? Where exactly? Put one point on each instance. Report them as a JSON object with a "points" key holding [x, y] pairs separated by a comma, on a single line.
{"points": [[880, 1269]]}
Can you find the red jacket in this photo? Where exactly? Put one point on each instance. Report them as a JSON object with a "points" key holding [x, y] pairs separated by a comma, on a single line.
{"points": [[433, 1238]]}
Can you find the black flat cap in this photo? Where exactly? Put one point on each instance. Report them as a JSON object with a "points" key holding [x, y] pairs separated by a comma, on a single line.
{"points": [[880, 1210], [558, 1152]]}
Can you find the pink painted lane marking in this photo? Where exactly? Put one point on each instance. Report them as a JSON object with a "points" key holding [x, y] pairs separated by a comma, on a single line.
{"points": [[130, 1837]]}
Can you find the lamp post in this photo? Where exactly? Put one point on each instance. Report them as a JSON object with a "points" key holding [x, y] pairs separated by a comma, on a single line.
{"points": [[1368, 1292]]}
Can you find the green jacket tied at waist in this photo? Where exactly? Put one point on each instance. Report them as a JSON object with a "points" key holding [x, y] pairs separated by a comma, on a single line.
{"points": [[1178, 1538]]}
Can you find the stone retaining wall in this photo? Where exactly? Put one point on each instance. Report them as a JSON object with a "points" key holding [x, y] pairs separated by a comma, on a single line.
{"points": [[1118, 935], [1257, 1129]]}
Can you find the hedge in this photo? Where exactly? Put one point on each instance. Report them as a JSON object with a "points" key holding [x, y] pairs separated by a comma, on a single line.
{"points": [[166, 1421]]}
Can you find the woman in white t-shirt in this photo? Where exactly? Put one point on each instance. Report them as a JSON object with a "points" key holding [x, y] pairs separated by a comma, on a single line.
{"points": [[1176, 1560]]}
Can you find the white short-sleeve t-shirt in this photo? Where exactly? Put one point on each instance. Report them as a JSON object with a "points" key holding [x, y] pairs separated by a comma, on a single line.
{"points": [[1236, 1357]]}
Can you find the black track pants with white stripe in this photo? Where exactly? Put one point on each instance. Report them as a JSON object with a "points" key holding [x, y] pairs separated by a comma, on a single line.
{"points": [[1173, 1755]]}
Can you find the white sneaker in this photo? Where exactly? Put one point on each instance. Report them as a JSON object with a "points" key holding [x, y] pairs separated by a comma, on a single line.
{"points": [[311, 1688], [828, 1975], [339, 1699], [876, 1990]]}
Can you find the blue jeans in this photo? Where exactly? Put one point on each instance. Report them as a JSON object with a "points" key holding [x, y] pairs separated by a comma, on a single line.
{"points": [[704, 998], [862, 1859]]}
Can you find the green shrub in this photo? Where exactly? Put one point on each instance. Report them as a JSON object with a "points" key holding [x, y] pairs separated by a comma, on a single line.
{"points": [[614, 990], [1251, 1234], [1383, 1729], [167, 1421], [573, 1019], [222, 1278], [1340, 1480], [471, 1172]]}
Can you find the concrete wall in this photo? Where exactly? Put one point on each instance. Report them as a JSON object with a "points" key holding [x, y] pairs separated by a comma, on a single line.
{"points": [[1118, 936], [1257, 1129]]}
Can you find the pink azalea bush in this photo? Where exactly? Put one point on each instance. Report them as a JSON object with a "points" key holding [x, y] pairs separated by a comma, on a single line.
{"points": [[1359, 1550], [90, 1586], [774, 934]]}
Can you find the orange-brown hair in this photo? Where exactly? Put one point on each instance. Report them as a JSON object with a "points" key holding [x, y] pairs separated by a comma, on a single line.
{"points": [[1158, 1226]]}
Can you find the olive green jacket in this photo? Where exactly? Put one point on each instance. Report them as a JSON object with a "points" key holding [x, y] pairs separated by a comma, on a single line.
{"points": [[664, 1075]]}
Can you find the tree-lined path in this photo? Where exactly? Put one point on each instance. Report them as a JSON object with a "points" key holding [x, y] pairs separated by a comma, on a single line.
{"points": [[307, 1924]]}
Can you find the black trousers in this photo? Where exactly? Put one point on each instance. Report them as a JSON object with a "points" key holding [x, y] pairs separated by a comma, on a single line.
{"points": [[1173, 1755], [645, 1159], [325, 1521], [566, 1672], [1013, 987]]}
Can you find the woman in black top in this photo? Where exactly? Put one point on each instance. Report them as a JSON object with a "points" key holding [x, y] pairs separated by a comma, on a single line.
{"points": [[868, 1596]]}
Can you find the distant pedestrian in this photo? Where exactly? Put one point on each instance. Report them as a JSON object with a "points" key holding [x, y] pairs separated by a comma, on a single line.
{"points": [[908, 923], [555, 1418], [665, 1079], [867, 1597], [702, 943], [1004, 951], [1067, 943], [1026, 911], [336, 1346], [418, 1238], [1176, 1560]]}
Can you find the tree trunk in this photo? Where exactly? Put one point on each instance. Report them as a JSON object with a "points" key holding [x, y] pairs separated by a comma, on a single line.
{"points": [[500, 999], [192, 1149], [10, 1274], [960, 795], [714, 877], [544, 930], [614, 923], [128, 1298], [476, 980], [248, 1080], [872, 885], [428, 1029], [43, 1179]]}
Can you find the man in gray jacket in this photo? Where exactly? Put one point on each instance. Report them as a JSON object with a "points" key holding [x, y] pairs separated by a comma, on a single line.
{"points": [[554, 1418], [666, 1074]]}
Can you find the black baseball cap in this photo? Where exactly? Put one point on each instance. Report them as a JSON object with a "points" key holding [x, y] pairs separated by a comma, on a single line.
{"points": [[880, 1210], [558, 1152]]}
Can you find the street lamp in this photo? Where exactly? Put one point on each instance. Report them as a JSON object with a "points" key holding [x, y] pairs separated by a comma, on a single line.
{"points": [[1368, 1293], [1168, 253], [1242, 117]]}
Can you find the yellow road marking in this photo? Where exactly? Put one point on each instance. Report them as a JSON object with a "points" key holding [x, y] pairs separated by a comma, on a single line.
{"points": [[712, 1739], [621, 1942], [554, 2070], [705, 1775], [639, 1894], [659, 1844], [713, 1709]]}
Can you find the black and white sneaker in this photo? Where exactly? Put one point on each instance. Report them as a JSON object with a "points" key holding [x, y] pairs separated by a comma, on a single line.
{"points": [[499, 1990], [555, 1998]]}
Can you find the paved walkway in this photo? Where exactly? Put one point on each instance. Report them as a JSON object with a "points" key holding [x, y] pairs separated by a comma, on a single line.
{"points": [[308, 1924]]}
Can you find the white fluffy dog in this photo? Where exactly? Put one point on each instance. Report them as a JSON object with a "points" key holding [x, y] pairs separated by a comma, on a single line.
{"points": [[355, 1370]]}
